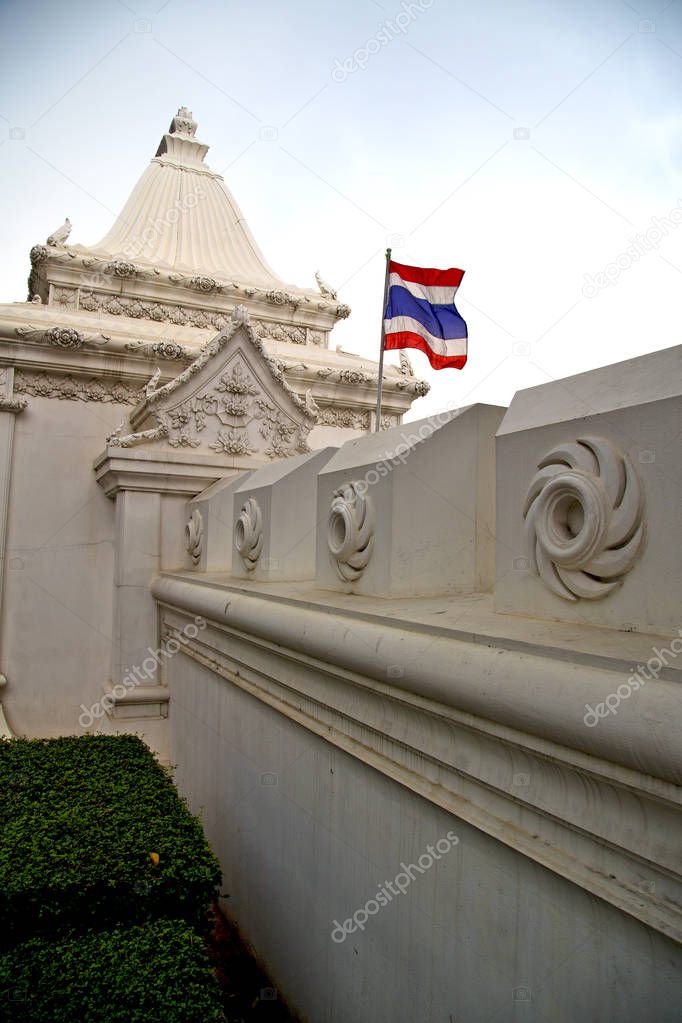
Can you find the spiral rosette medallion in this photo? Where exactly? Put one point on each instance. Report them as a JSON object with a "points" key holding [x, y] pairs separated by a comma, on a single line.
{"points": [[194, 536], [350, 531], [584, 518], [248, 534]]}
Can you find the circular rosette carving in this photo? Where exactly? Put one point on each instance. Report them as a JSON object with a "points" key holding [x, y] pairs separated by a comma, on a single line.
{"points": [[64, 337], [350, 531], [248, 534], [583, 513], [194, 536], [121, 268]]}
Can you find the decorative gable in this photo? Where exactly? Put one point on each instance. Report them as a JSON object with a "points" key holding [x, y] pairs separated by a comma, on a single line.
{"points": [[232, 399]]}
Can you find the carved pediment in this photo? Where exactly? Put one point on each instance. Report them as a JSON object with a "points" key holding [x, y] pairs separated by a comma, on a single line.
{"points": [[232, 399]]}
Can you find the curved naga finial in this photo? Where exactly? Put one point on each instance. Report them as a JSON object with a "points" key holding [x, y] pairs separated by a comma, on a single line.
{"points": [[194, 536], [583, 512], [325, 289], [248, 534], [350, 531], [59, 236]]}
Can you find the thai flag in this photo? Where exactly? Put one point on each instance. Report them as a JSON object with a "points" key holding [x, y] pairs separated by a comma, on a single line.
{"points": [[420, 313]]}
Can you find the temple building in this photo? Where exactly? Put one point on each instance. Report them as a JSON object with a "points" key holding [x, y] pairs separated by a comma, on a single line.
{"points": [[167, 276]]}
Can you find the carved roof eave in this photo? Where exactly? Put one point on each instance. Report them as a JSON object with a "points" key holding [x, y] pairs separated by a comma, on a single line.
{"points": [[74, 264], [68, 342], [32, 334]]}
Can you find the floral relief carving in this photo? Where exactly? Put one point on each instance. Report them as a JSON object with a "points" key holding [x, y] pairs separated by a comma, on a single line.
{"points": [[121, 305], [115, 268], [61, 337], [234, 409], [65, 298], [280, 332], [279, 297], [331, 415], [345, 376], [45, 385], [161, 349], [231, 405], [199, 282], [232, 442], [12, 404]]}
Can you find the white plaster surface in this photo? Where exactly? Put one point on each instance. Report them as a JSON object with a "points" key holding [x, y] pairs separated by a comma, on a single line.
{"points": [[307, 833], [636, 407], [285, 493], [58, 607], [429, 487], [215, 505]]}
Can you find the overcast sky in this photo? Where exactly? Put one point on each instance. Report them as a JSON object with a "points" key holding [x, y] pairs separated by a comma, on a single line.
{"points": [[525, 142]]}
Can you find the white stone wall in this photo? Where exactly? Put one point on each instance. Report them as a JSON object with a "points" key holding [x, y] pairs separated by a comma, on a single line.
{"points": [[58, 595], [306, 833]]}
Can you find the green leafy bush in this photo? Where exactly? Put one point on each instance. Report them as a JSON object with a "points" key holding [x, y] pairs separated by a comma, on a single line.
{"points": [[80, 817], [155, 973]]}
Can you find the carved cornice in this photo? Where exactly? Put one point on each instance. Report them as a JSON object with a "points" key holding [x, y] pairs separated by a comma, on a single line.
{"points": [[166, 312], [347, 418], [183, 473], [120, 268], [72, 388], [125, 270], [60, 337]]}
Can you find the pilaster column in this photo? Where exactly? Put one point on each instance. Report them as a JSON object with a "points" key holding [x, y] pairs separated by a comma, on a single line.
{"points": [[150, 489], [9, 408]]}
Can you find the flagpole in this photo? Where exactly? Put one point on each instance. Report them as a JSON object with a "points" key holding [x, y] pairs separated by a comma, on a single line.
{"points": [[377, 424]]}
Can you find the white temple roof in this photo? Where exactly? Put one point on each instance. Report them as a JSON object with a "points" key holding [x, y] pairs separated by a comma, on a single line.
{"points": [[181, 216]]}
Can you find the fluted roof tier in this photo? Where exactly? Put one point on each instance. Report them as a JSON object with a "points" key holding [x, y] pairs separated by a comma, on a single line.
{"points": [[181, 216]]}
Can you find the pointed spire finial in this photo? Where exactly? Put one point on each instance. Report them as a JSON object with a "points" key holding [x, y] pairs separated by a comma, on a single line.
{"points": [[183, 123]]}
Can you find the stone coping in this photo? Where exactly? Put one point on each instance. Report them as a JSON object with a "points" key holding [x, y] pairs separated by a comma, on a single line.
{"points": [[468, 618]]}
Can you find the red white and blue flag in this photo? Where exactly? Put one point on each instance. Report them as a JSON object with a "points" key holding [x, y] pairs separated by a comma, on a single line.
{"points": [[420, 313]]}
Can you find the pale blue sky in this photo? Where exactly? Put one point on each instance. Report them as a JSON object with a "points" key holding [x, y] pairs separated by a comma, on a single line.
{"points": [[525, 142]]}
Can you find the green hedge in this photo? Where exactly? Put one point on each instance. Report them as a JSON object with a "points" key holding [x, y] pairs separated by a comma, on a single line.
{"points": [[80, 817], [155, 973]]}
